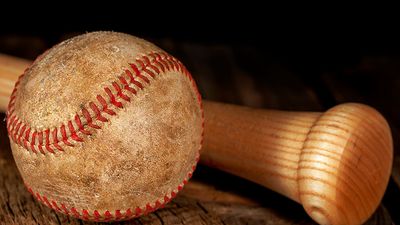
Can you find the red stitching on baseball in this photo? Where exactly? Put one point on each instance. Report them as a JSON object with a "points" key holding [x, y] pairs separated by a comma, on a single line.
{"points": [[147, 66], [56, 206], [111, 215], [144, 68], [16, 131], [21, 133], [148, 63], [113, 100], [137, 71], [97, 111], [13, 125], [48, 148], [138, 211], [159, 63], [27, 134], [167, 60], [161, 60], [64, 208], [33, 142], [133, 81], [75, 212], [39, 197], [40, 137], [126, 85], [148, 209], [96, 215], [118, 214], [9, 122], [128, 213], [85, 214], [119, 92], [156, 59], [47, 202], [174, 63], [64, 136], [55, 140], [108, 215], [80, 126], [12, 100], [105, 108], [74, 136], [88, 118], [166, 198]]}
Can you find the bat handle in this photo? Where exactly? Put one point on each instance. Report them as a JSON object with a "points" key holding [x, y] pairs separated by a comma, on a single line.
{"points": [[336, 164], [10, 69]]}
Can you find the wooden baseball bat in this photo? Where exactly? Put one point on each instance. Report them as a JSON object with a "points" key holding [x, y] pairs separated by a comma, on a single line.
{"points": [[336, 164]]}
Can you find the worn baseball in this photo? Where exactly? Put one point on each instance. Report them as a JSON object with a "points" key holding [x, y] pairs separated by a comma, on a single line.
{"points": [[105, 126]]}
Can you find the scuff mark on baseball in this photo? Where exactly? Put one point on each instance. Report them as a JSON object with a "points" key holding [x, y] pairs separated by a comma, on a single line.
{"points": [[105, 126]]}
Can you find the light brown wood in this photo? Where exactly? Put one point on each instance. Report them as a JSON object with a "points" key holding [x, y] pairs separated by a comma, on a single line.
{"points": [[336, 164], [10, 69]]}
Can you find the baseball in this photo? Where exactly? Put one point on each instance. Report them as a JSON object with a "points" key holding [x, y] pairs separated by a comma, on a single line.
{"points": [[105, 126]]}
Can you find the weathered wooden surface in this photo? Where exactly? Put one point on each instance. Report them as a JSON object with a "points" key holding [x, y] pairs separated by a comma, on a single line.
{"points": [[236, 74]]}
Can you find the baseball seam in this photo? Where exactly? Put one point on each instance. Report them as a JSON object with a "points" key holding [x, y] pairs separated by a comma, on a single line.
{"points": [[109, 215], [84, 124], [95, 113]]}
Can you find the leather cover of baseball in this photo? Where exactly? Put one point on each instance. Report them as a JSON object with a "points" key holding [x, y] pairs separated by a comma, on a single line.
{"points": [[105, 126]]}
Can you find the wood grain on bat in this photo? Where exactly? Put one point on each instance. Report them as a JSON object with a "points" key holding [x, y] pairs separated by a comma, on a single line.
{"points": [[336, 164]]}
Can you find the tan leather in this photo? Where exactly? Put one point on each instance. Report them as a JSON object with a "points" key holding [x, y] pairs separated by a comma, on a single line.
{"points": [[140, 151]]}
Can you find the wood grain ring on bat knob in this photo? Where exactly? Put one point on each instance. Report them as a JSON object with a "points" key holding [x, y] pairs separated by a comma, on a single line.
{"points": [[345, 165]]}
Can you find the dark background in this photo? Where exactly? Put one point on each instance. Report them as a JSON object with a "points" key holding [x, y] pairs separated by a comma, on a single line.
{"points": [[314, 49]]}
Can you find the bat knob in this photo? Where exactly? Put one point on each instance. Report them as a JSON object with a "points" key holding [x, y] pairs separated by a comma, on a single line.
{"points": [[345, 165]]}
